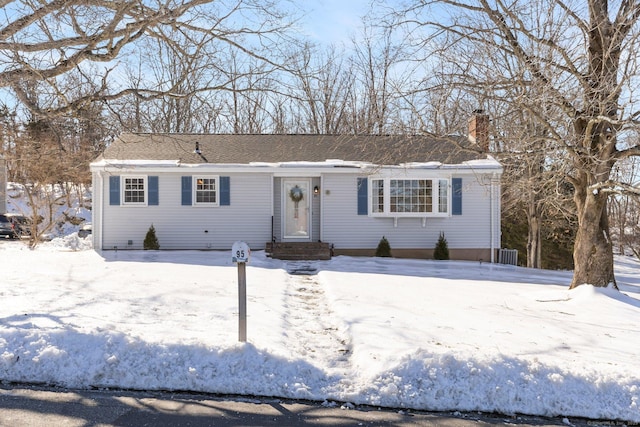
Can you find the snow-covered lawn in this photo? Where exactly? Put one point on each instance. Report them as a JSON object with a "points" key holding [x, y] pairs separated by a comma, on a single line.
{"points": [[401, 333]]}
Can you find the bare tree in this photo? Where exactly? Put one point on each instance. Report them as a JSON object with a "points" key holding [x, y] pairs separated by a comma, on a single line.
{"points": [[321, 90], [45, 41], [375, 59], [580, 58], [245, 105], [624, 211], [49, 159], [9, 130], [533, 187], [65, 61], [42, 162]]}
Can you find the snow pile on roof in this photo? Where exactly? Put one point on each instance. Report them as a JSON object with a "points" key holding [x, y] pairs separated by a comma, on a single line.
{"points": [[137, 163]]}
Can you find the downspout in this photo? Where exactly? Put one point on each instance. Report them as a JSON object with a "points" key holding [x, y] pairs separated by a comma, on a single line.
{"points": [[97, 223], [493, 217], [321, 210], [491, 214], [101, 213], [272, 199]]}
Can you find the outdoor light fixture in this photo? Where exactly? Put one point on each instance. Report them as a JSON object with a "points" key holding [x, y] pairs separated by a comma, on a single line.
{"points": [[316, 190]]}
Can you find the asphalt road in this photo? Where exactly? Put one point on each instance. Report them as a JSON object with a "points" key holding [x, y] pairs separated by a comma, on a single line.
{"points": [[28, 406]]}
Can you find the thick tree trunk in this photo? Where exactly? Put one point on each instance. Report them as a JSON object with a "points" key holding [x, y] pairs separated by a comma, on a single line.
{"points": [[593, 250], [534, 251]]}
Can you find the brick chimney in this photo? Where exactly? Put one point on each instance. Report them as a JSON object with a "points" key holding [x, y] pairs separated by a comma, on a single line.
{"points": [[479, 129]]}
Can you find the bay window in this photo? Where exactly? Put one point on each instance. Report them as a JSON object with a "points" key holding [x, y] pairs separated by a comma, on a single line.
{"points": [[409, 197]]}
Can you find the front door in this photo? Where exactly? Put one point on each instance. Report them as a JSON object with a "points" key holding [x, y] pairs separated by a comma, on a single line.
{"points": [[297, 208]]}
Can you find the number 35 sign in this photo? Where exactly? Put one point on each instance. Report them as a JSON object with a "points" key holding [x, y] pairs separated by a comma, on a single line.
{"points": [[240, 252]]}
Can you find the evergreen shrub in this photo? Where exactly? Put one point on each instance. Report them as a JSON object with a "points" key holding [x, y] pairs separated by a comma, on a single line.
{"points": [[384, 248], [151, 240]]}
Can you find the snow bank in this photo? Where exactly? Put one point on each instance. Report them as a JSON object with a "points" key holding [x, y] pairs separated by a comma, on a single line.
{"points": [[387, 332]]}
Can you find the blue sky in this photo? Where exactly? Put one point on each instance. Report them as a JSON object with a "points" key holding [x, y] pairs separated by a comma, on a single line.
{"points": [[333, 21]]}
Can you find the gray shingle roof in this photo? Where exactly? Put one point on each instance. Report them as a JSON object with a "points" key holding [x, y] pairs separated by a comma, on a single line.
{"points": [[243, 149]]}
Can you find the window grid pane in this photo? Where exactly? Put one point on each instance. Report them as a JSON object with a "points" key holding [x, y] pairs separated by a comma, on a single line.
{"points": [[411, 196], [377, 196], [443, 187], [134, 190], [206, 190]]}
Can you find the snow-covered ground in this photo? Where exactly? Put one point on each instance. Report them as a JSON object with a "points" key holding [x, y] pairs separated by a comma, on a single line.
{"points": [[60, 209], [432, 335]]}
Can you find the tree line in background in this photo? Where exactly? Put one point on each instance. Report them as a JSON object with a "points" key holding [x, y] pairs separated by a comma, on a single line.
{"points": [[557, 79]]}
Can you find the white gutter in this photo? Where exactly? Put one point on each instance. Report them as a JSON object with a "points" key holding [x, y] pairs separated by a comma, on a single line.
{"points": [[288, 168]]}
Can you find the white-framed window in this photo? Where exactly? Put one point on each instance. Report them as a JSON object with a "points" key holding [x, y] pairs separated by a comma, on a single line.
{"points": [[443, 196], [134, 190], [411, 196], [206, 190], [419, 197], [377, 196]]}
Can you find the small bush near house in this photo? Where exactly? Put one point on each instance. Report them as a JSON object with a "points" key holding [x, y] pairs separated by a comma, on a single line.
{"points": [[441, 251], [384, 248], [151, 240]]}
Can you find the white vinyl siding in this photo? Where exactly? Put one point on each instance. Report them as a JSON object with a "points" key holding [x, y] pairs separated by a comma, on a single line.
{"points": [[254, 199], [346, 230], [247, 218]]}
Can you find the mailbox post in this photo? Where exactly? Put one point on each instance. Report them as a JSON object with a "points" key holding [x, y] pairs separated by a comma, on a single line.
{"points": [[240, 253]]}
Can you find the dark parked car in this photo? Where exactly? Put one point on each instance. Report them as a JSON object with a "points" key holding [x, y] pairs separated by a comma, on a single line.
{"points": [[21, 223], [10, 226]]}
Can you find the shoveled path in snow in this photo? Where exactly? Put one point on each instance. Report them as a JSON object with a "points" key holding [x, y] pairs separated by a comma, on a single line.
{"points": [[311, 329]]}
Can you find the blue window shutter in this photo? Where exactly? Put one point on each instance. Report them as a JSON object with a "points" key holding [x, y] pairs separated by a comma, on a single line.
{"points": [[114, 190], [456, 196], [225, 191], [154, 197], [363, 192], [186, 191]]}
